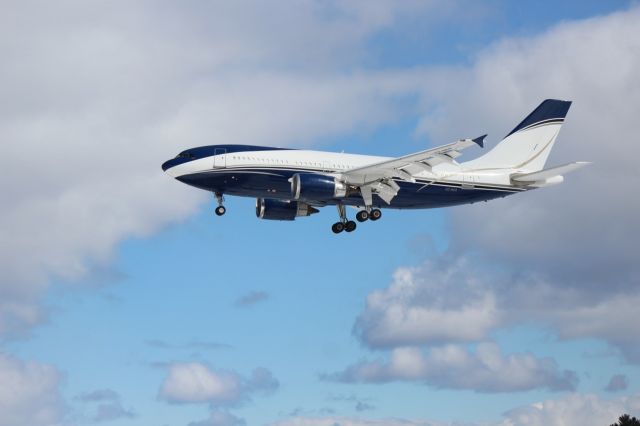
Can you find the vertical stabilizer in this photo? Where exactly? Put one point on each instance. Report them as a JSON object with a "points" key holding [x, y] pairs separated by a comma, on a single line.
{"points": [[528, 145]]}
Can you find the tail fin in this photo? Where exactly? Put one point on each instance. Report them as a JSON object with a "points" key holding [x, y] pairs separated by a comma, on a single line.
{"points": [[527, 147]]}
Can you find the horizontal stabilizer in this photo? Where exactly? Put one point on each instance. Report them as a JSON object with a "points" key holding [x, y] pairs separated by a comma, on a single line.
{"points": [[546, 174], [480, 140]]}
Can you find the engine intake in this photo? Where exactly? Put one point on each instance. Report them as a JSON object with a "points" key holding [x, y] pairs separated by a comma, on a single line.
{"points": [[271, 209], [312, 186]]}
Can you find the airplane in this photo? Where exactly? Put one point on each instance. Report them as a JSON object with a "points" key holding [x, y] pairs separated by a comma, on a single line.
{"points": [[290, 183]]}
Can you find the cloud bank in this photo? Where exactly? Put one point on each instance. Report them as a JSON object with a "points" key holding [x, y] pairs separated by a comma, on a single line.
{"points": [[571, 410], [453, 367], [96, 97], [562, 258]]}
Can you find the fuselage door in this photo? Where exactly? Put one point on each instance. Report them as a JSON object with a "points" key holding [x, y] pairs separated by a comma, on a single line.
{"points": [[468, 181], [219, 158]]}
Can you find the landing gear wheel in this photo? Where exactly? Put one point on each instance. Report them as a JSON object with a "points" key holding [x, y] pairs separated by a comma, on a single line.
{"points": [[375, 214], [350, 226], [337, 227], [220, 210], [362, 215]]}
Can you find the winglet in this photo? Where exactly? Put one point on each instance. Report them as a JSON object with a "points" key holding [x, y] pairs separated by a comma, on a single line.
{"points": [[480, 140]]}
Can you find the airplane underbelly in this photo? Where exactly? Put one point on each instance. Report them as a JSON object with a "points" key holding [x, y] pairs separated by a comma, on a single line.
{"points": [[275, 184]]}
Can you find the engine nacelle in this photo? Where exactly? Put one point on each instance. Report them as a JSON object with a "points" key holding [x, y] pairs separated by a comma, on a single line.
{"points": [[271, 209], [312, 186]]}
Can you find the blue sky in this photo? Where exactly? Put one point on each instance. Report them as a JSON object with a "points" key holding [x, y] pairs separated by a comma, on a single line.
{"points": [[120, 282]]}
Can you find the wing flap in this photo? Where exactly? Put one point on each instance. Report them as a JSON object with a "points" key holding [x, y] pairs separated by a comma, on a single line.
{"points": [[404, 167]]}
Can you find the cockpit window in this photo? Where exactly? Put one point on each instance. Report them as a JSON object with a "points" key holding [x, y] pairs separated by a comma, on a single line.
{"points": [[185, 154]]}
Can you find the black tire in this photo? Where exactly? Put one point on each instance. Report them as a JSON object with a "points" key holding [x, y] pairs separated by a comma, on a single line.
{"points": [[362, 216], [337, 227], [350, 226], [220, 210], [375, 214]]}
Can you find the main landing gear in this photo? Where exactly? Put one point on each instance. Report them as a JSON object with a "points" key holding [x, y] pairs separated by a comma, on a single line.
{"points": [[344, 224], [349, 225], [364, 215], [220, 210]]}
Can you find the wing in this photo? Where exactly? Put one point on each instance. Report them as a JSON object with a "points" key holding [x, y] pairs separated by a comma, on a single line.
{"points": [[378, 178]]}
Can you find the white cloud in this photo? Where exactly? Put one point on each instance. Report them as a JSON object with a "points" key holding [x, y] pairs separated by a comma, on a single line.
{"points": [[94, 97], [579, 239], [433, 303], [454, 367], [195, 382], [563, 257], [29, 393], [577, 232], [570, 410]]}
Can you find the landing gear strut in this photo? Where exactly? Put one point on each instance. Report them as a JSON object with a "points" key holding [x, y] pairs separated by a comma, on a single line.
{"points": [[220, 210], [344, 224], [368, 212]]}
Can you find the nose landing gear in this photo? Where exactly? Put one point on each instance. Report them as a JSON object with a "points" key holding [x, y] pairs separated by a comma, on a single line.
{"points": [[220, 210]]}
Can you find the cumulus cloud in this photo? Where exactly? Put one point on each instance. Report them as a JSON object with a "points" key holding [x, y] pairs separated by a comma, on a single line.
{"points": [[196, 382], [579, 238], [560, 231], [96, 97], [571, 410], [454, 367], [440, 301], [554, 257], [29, 393]]}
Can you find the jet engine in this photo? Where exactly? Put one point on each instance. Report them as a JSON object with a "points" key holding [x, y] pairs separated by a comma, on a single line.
{"points": [[312, 186], [272, 209]]}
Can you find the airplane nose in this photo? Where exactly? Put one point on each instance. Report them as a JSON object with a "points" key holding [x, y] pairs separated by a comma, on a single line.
{"points": [[167, 164]]}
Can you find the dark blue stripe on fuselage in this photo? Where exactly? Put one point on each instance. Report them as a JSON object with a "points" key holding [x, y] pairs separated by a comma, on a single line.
{"points": [[211, 150], [273, 183]]}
